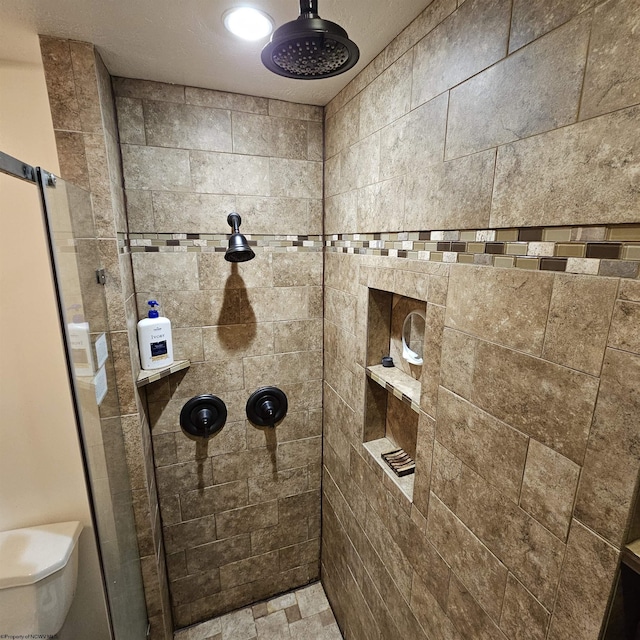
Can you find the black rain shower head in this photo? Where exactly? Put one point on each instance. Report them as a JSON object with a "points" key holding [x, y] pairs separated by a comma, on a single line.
{"points": [[310, 48], [239, 249]]}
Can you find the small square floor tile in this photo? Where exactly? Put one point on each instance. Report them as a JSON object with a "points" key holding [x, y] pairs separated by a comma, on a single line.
{"points": [[260, 610], [281, 602], [312, 600], [293, 613]]}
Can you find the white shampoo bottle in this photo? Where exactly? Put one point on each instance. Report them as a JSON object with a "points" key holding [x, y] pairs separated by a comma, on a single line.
{"points": [[154, 340]]}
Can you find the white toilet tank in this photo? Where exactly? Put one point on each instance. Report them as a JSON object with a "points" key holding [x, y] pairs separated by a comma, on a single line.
{"points": [[38, 572]]}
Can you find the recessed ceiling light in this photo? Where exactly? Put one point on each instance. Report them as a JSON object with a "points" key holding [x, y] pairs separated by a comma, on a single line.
{"points": [[248, 23]]}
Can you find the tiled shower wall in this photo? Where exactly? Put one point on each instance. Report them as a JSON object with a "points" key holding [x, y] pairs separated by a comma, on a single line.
{"points": [[84, 119], [240, 512], [487, 121]]}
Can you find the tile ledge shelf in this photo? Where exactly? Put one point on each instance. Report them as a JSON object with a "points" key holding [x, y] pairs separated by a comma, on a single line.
{"points": [[631, 555], [147, 377], [400, 384], [376, 448]]}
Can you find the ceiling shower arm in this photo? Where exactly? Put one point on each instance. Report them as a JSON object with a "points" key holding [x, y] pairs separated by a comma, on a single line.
{"points": [[308, 9]]}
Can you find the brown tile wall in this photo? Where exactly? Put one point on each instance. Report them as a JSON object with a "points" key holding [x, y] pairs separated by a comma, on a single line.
{"points": [[84, 117], [486, 115], [240, 512]]}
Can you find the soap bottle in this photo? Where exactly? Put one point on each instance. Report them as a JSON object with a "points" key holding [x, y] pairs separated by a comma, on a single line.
{"points": [[80, 343], [154, 340]]}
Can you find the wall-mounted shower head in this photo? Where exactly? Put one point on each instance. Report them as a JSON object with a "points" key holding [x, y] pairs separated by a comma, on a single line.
{"points": [[239, 249], [310, 48]]}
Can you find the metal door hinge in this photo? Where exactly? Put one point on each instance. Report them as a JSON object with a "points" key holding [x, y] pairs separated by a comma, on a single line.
{"points": [[101, 276]]}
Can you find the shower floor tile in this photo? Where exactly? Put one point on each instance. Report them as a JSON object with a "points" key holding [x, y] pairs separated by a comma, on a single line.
{"points": [[303, 614]]}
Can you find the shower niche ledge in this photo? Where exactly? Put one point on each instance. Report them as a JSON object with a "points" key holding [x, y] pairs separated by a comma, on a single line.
{"points": [[396, 328], [147, 377]]}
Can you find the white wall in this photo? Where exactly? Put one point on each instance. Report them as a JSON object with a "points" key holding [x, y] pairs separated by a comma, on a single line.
{"points": [[41, 476]]}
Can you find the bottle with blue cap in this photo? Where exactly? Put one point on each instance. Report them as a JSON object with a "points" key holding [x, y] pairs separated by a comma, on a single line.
{"points": [[154, 340]]}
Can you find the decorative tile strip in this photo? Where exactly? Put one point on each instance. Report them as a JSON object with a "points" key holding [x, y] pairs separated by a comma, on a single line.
{"points": [[607, 251], [216, 243]]}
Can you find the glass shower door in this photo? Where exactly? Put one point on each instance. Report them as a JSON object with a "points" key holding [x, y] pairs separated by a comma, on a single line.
{"points": [[82, 303]]}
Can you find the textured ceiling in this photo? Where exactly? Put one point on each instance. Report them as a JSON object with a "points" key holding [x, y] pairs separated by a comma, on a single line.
{"points": [[186, 42]]}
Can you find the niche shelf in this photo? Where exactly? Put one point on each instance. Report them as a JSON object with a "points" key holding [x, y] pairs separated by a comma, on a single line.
{"points": [[392, 393], [400, 384], [147, 377]]}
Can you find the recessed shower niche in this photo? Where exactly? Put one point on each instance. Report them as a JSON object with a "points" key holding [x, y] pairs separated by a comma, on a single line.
{"points": [[396, 328]]}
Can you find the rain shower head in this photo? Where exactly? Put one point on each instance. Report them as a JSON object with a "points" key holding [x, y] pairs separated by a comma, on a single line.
{"points": [[310, 48], [239, 249]]}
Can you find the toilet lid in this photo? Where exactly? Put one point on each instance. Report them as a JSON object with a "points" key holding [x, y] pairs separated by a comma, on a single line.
{"points": [[31, 554]]}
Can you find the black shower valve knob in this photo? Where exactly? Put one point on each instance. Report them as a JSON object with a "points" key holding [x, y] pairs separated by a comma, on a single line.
{"points": [[267, 406], [203, 416]]}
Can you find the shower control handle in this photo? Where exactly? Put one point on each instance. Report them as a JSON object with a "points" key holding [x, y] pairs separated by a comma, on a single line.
{"points": [[203, 416], [267, 406]]}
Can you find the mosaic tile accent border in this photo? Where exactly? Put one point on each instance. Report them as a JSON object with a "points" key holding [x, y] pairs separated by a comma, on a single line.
{"points": [[606, 251], [213, 243]]}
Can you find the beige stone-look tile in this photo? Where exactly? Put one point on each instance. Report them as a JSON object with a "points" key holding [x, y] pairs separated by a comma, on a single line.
{"points": [[131, 121], [249, 570], [429, 612], [536, 89], [282, 368], [587, 578], [155, 168], [468, 616], [297, 335], [451, 195], [238, 625], [549, 488], [483, 574], [528, 550], [315, 141], [279, 215], [505, 306], [342, 129], [295, 178], [216, 273], [612, 460], [56, 58], [273, 626], [533, 18], [186, 126], [72, 158], [211, 500], [185, 590], [285, 109], [162, 271], [145, 89], [388, 97], [469, 40], [430, 18], [223, 100], [297, 269], [446, 474], [83, 58], [416, 139], [190, 534], [629, 290], [139, 211], [610, 82], [341, 213], [546, 401], [311, 600], [457, 362], [381, 206], [579, 318], [625, 326], [187, 344], [225, 173], [568, 177], [237, 341], [523, 617], [491, 448], [205, 377], [206, 557]]}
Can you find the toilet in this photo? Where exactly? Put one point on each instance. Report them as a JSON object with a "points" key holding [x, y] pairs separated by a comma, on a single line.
{"points": [[38, 572]]}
